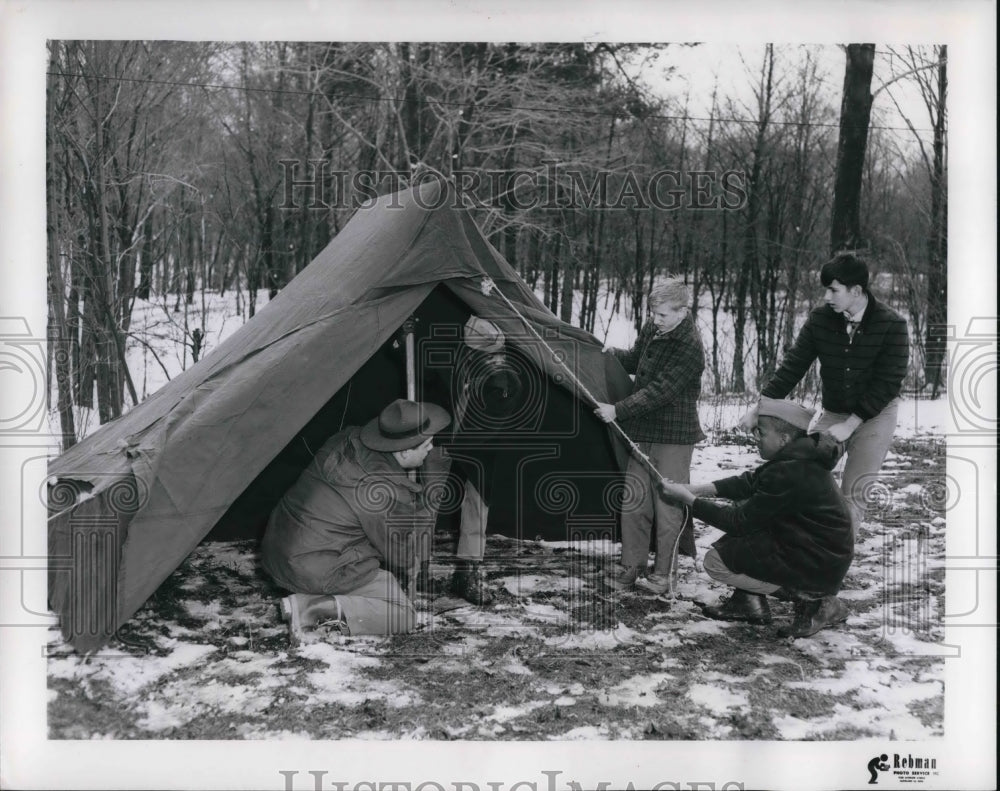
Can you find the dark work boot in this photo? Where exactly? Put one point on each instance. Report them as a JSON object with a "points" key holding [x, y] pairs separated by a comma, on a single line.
{"points": [[303, 610], [811, 616], [741, 606], [469, 583]]}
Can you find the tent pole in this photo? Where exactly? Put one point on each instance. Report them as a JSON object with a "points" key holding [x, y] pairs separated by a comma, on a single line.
{"points": [[411, 395], [411, 370], [411, 365]]}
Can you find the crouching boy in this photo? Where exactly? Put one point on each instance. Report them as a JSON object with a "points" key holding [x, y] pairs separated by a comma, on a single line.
{"points": [[788, 529]]}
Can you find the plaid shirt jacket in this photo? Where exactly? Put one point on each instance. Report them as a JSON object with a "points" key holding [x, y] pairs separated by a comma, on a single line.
{"points": [[663, 406]]}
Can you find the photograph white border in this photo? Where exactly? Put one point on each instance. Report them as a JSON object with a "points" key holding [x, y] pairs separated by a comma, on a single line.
{"points": [[966, 754]]}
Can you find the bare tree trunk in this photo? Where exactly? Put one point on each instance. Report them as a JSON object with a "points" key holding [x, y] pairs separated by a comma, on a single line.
{"points": [[749, 273], [58, 334], [937, 272], [146, 259], [855, 113]]}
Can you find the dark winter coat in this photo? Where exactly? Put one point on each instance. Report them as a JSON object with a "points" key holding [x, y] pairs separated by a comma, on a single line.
{"points": [[792, 525], [663, 406], [860, 375], [352, 510]]}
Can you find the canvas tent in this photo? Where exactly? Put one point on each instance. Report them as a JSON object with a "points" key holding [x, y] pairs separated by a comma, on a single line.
{"points": [[212, 451]]}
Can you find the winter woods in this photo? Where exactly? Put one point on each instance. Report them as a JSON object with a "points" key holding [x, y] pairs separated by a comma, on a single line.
{"points": [[177, 170]]}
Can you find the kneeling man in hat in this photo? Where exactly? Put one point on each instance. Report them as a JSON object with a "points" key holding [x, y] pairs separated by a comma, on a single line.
{"points": [[788, 529], [353, 520]]}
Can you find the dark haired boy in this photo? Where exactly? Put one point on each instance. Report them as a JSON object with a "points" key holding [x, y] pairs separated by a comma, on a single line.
{"points": [[788, 529], [863, 350]]}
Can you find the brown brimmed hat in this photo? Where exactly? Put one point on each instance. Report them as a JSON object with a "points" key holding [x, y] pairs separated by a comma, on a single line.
{"points": [[403, 425], [789, 411]]}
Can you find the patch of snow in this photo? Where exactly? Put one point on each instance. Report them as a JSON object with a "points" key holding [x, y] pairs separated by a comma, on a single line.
{"points": [[341, 682], [706, 626], [161, 717], [526, 584], [639, 690], [860, 594], [717, 699], [517, 667], [855, 675], [229, 698], [560, 689], [896, 695], [467, 646], [498, 623], [238, 666], [442, 667], [603, 640], [905, 641], [862, 721], [590, 548], [546, 612], [211, 612], [508, 713], [585, 732], [129, 674], [337, 659], [774, 659], [565, 700], [907, 727], [356, 693]]}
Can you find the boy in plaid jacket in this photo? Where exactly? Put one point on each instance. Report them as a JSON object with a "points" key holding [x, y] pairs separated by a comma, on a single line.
{"points": [[661, 417]]}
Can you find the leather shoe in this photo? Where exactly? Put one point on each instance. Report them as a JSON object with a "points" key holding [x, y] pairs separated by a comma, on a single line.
{"points": [[622, 577], [741, 606], [654, 584], [811, 616]]}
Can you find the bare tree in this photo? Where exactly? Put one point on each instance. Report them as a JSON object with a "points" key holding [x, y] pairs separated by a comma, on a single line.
{"points": [[855, 115]]}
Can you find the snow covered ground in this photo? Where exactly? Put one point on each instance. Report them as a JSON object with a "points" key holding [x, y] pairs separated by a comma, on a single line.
{"points": [[556, 657]]}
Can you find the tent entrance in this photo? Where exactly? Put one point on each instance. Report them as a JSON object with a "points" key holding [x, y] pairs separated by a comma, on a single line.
{"points": [[548, 471]]}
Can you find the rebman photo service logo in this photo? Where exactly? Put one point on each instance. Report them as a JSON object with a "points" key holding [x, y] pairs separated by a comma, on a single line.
{"points": [[901, 768]]}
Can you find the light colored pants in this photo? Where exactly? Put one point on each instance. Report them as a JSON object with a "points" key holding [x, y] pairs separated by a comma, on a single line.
{"points": [[674, 463], [378, 607], [866, 450], [720, 572], [472, 529]]}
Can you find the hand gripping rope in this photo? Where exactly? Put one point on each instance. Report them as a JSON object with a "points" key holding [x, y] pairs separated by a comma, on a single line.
{"points": [[488, 287]]}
